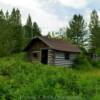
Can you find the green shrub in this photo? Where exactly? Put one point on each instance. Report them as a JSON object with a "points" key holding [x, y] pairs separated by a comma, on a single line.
{"points": [[71, 84], [81, 62], [95, 64]]}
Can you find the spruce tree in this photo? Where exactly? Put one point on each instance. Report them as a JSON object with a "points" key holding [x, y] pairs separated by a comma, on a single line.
{"points": [[76, 31], [94, 28], [36, 30], [10, 32], [2, 16], [28, 29], [16, 29], [4, 36], [19, 31], [7, 15]]}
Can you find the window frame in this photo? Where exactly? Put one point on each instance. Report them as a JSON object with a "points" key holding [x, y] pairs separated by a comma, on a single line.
{"points": [[35, 55], [67, 56]]}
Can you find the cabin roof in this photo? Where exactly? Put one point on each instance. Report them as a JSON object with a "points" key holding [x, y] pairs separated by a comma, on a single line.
{"points": [[55, 44]]}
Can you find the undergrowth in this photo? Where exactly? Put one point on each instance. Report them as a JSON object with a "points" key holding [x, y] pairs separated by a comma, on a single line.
{"points": [[22, 80]]}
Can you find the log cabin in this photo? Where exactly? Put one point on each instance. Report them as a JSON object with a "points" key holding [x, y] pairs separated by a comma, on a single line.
{"points": [[51, 51]]}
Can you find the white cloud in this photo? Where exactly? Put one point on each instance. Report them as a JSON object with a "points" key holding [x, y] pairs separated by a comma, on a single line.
{"points": [[47, 21], [30, 4], [88, 15], [74, 3]]}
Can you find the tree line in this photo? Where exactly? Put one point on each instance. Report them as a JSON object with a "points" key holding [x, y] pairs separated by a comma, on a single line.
{"points": [[86, 36], [13, 35]]}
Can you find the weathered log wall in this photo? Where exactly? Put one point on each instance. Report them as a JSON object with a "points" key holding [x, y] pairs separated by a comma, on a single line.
{"points": [[60, 60], [51, 57]]}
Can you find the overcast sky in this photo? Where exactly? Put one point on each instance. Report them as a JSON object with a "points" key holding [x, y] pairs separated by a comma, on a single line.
{"points": [[51, 14]]}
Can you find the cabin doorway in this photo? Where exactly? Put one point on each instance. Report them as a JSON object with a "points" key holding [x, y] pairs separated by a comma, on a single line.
{"points": [[44, 56]]}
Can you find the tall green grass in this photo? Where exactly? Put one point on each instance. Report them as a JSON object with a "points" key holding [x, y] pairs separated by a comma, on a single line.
{"points": [[22, 80]]}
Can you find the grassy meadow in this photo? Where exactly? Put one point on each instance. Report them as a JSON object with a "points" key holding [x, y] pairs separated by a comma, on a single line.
{"points": [[22, 80]]}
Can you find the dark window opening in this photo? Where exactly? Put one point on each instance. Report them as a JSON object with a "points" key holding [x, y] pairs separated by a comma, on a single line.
{"points": [[67, 56], [35, 55]]}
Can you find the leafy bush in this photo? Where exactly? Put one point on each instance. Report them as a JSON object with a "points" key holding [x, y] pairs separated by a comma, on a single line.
{"points": [[95, 64], [81, 62]]}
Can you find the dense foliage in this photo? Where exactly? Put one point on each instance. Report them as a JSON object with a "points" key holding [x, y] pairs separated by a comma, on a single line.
{"points": [[36, 30], [94, 32], [76, 32], [79, 32], [13, 35], [10, 32], [21, 80]]}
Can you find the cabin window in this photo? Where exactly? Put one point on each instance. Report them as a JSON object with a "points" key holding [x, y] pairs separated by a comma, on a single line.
{"points": [[35, 55], [67, 56]]}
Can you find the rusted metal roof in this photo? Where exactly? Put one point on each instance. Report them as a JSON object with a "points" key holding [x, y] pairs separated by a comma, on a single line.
{"points": [[55, 44]]}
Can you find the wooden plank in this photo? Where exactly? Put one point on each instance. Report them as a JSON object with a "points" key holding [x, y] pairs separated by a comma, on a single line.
{"points": [[50, 57], [60, 59]]}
